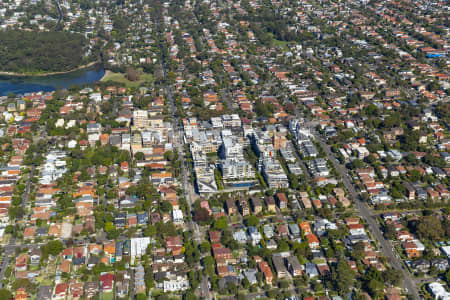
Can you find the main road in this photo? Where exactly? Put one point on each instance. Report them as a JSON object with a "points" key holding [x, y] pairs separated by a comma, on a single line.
{"points": [[179, 144], [178, 141], [366, 214]]}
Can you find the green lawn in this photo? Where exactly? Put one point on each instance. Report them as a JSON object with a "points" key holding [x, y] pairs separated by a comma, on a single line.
{"points": [[319, 261], [107, 296], [234, 219], [47, 282], [120, 78], [34, 268], [279, 43]]}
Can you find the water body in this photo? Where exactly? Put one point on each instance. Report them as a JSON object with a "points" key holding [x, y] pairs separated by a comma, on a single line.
{"points": [[22, 85]]}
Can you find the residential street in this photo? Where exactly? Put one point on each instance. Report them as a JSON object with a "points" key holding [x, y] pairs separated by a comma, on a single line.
{"points": [[369, 218], [10, 248]]}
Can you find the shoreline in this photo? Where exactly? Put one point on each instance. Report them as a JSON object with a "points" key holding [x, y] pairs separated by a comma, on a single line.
{"points": [[12, 74], [107, 72]]}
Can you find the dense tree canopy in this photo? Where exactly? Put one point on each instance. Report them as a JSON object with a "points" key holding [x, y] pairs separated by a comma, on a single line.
{"points": [[343, 277], [5, 294], [37, 52], [430, 228]]}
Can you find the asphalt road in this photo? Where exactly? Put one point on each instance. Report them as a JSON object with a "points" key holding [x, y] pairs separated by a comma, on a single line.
{"points": [[204, 288], [366, 214], [10, 248], [59, 11], [178, 143], [187, 187], [27, 188]]}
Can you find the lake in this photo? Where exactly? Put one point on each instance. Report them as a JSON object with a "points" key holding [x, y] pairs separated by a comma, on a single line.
{"points": [[22, 85]]}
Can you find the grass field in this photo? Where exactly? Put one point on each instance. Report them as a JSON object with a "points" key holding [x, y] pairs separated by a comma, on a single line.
{"points": [[120, 78], [107, 296], [234, 219], [281, 44]]}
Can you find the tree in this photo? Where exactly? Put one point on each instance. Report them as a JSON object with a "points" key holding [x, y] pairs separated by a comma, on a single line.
{"points": [[371, 159], [226, 238], [392, 277], [430, 228], [356, 164], [330, 253], [414, 175], [202, 215], [233, 245], [193, 279], [32, 51], [54, 247], [317, 286], [109, 226], [343, 277], [375, 287], [390, 231], [358, 251], [245, 283], [293, 181], [252, 220], [218, 179], [271, 294], [132, 74], [113, 234], [205, 247], [150, 231], [242, 296], [165, 206], [232, 288], [190, 296], [221, 223], [302, 250], [282, 245], [283, 284], [411, 158], [141, 297], [435, 161], [5, 294], [139, 156], [409, 140], [166, 229], [208, 261], [9, 229], [16, 212], [371, 110], [169, 155], [111, 194], [171, 76], [24, 283]]}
